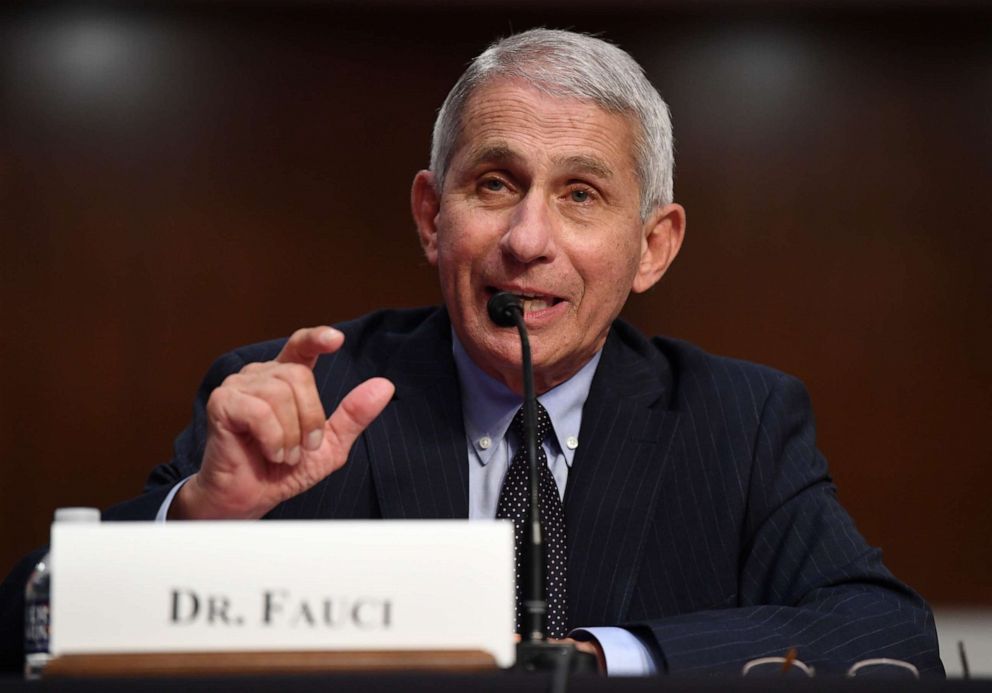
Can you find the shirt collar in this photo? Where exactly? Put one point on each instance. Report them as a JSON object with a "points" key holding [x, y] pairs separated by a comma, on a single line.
{"points": [[488, 405]]}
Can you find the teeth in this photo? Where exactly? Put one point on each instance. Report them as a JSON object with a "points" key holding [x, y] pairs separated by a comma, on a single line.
{"points": [[534, 304]]}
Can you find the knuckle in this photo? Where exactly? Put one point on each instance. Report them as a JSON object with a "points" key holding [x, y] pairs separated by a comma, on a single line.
{"points": [[279, 391], [298, 373], [313, 417], [351, 412], [257, 409], [219, 397], [232, 380]]}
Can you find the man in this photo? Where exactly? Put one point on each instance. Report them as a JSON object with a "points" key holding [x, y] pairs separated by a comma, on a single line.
{"points": [[700, 526]]}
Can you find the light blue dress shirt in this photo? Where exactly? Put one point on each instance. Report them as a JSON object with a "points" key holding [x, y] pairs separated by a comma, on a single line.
{"points": [[488, 408]]}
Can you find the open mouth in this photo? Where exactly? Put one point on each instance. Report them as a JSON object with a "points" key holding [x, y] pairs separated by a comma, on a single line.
{"points": [[531, 302]]}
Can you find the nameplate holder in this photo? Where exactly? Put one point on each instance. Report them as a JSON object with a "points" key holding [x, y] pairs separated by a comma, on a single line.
{"points": [[293, 586]]}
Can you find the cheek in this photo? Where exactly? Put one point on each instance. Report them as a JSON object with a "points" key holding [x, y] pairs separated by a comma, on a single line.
{"points": [[450, 248], [607, 285], [457, 261], [470, 251], [455, 234]]}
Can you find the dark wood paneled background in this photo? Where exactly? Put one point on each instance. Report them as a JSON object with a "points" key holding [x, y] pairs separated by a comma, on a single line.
{"points": [[182, 178]]}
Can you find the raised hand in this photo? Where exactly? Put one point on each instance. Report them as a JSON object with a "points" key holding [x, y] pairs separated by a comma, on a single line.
{"points": [[267, 439]]}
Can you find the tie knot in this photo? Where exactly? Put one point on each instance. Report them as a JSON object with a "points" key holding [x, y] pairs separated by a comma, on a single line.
{"points": [[544, 427]]}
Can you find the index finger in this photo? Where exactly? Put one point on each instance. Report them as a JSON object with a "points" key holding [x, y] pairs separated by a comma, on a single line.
{"points": [[305, 345]]}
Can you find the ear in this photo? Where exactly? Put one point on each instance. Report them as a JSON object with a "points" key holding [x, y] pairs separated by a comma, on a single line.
{"points": [[425, 203], [663, 234]]}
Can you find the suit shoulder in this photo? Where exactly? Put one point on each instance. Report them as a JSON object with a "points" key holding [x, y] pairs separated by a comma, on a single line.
{"points": [[694, 373], [688, 358], [364, 334], [373, 340], [727, 397], [386, 325]]}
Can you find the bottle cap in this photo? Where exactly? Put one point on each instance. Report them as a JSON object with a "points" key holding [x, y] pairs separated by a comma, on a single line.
{"points": [[77, 515]]}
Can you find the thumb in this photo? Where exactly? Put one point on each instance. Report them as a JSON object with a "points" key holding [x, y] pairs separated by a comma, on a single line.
{"points": [[358, 409]]}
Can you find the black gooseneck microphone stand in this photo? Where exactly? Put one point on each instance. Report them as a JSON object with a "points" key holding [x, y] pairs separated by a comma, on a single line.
{"points": [[534, 652]]}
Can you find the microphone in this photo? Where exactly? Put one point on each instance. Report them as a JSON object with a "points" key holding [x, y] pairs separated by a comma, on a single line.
{"points": [[504, 308], [534, 652]]}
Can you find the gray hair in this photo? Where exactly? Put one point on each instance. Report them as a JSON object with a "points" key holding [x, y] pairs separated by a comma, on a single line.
{"points": [[571, 65]]}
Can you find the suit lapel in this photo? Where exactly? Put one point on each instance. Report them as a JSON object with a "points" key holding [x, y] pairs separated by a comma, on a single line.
{"points": [[614, 484], [417, 446], [417, 454]]}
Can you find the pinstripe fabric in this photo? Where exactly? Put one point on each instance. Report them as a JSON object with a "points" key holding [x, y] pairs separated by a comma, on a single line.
{"points": [[698, 510], [737, 547]]}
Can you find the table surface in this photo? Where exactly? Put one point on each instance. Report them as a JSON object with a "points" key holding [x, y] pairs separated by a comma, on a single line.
{"points": [[497, 682]]}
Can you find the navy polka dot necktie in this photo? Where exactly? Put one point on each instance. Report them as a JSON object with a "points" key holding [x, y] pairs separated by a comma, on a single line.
{"points": [[513, 501]]}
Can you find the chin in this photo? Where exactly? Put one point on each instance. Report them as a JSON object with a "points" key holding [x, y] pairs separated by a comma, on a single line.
{"points": [[505, 350]]}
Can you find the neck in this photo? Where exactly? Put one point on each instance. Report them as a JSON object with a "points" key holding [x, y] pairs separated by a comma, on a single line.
{"points": [[511, 375]]}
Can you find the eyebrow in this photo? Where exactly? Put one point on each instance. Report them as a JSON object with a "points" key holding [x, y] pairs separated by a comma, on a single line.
{"points": [[586, 164], [497, 153], [502, 153]]}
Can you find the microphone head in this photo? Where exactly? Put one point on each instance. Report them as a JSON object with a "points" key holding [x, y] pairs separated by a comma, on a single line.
{"points": [[503, 307]]}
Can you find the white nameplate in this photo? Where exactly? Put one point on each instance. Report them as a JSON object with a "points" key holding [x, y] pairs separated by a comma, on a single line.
{"points": [[300, 585]]}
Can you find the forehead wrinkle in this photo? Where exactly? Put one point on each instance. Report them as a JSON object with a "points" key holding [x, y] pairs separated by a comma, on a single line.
{"points": [[501, 152], [492, 152], [585, 164]]}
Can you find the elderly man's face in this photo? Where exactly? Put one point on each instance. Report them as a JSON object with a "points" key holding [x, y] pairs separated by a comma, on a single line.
{"points": [[541, 199]]}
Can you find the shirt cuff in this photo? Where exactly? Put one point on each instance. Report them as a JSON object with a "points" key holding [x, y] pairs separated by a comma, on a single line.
{"points": [[623, 651], [163, 510]]}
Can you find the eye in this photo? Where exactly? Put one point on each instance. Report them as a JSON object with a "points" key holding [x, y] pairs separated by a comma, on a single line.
{"points": [[581, 194], [493, 184]]}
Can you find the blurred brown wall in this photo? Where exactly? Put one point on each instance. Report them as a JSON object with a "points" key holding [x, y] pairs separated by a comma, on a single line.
{"points": [[179, 179]]}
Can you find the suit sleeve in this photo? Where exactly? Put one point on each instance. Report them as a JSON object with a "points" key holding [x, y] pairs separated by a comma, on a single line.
{"points": [[806, 577]]}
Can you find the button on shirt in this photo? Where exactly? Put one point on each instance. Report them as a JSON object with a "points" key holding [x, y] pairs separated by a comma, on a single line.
{"points": [[488, 407]]}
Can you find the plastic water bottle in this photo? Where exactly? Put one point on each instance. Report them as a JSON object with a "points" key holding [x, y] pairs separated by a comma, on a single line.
{"points": [[38, 601]]}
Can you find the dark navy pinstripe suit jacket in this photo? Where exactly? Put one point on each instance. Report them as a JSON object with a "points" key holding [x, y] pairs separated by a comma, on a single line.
{"points": [[699, 512]]}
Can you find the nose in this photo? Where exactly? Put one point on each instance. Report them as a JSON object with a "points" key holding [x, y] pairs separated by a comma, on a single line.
{"points": [[530, 236]]}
